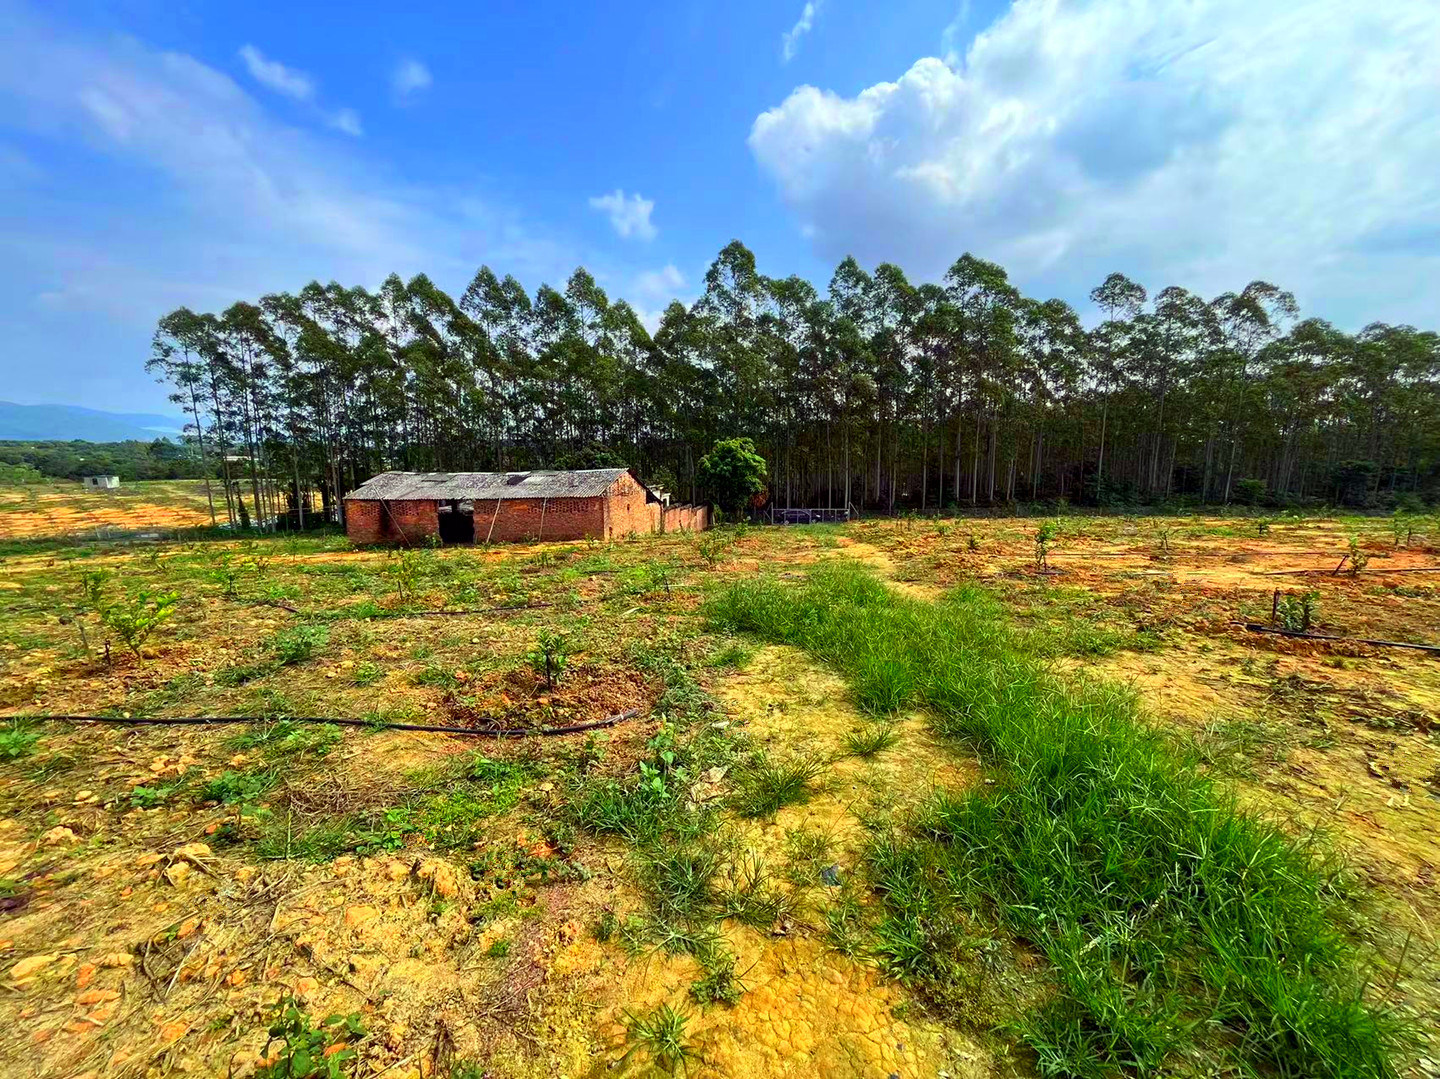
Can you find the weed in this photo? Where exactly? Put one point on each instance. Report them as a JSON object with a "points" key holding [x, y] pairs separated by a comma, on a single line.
{"points": [[733, 655], [807, 853], [871, 740], [1262, 526], [661, 1035], [498, 949], [366, 674], [307, 1051], [606, 925], [753, 898], [17, 741], [971, 543], [298, 643], [766, 786]]}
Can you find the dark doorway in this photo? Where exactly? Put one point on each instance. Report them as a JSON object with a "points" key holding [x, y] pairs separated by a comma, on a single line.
{"points": [[457, 522]]}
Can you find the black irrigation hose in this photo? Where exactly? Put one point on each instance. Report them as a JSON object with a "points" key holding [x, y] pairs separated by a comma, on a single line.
{"points": [[1255, 627], [477, 732]]}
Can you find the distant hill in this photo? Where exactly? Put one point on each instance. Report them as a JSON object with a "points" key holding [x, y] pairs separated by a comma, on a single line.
{"points": [[88, 424]]}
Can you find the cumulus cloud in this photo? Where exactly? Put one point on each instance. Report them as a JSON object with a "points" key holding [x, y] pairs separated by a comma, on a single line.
{"points": [[629, 214], [409, 78], [790, 40], [1201, 144], [276, 76]]}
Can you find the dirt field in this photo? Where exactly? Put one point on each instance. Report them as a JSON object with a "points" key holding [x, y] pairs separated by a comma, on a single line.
{"points": [[66, 508], [482, 906]]}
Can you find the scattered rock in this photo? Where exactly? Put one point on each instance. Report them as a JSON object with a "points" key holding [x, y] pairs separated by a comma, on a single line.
{"points": [[97, 996], [58, 836], [360, 914], [440, 876], [116, 959], [177, 872]]}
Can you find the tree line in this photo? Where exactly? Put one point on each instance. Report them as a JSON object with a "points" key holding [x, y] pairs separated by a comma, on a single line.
{"points": [[33, 461], [881, 392]]}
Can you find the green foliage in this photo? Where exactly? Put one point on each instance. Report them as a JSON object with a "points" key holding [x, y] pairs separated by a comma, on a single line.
{"points": [[136, 618], [1176, 927], [734, 474], [1250, 492], [407, 570], [1044, 539], [713, 546], [1297, 613], [307, 1051], [660, 1034], [765, 786], [871, 740], [1357, 557], [239, 788], [366, 673], [549, 655], [16, 741], [298, 643]]}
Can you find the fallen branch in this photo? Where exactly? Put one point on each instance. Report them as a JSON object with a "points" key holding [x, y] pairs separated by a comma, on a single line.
{"points": [[1255, 627], [478, 732]]}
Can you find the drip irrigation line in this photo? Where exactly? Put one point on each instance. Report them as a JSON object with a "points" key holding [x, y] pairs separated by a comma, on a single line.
{"points": [[477, 732], [1255, 627], [1331, 573]]}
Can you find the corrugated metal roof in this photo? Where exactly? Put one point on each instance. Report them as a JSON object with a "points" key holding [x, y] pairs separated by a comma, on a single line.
{"points": [[408, 486]]}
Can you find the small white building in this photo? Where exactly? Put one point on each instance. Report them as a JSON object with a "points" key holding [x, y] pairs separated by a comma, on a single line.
{"points": [[104, 483]]}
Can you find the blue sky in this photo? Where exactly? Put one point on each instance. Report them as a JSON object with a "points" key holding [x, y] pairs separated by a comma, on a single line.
{"points": [[157, 154]]}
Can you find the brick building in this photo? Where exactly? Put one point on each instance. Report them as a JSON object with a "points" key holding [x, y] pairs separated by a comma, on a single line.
{"points": [[482, 507]]}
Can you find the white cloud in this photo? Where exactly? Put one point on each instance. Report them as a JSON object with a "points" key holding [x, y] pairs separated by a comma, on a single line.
{"points": [[1202, 144], [276, 76], [629, 215], [348, 121], [790, 40], [662, 284], [192, 192], [409, 78]]}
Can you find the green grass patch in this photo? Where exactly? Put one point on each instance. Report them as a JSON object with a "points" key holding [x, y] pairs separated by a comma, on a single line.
{"points": [[1181, 933]]}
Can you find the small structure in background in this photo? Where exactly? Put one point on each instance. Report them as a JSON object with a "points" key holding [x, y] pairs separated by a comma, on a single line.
{"points": [[506, 507], [101, 483]]}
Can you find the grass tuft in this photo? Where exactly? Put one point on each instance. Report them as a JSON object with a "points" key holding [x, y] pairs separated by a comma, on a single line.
{"points": [[766, 786], [872, 740]]}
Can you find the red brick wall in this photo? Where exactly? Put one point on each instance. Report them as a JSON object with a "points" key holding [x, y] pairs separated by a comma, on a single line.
{"points": [[369, 521], [628, 510], [524, 518], [686, 519]]}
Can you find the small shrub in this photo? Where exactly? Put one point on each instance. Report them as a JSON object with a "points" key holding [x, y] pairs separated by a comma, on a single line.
{"points": [[1044, 540], [1357, 557], [1297, 613], [407, 571], [1262, 526], [712, 547], [136, 619], [549, 656]]}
